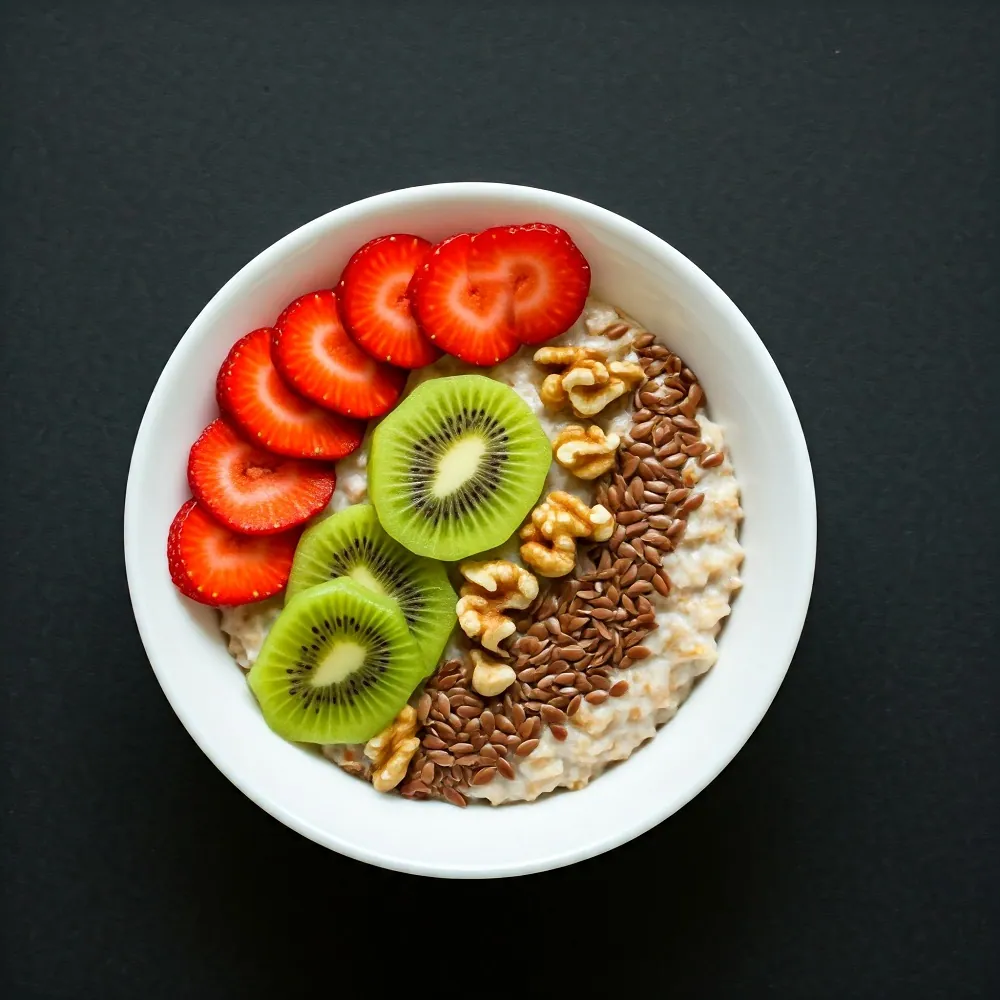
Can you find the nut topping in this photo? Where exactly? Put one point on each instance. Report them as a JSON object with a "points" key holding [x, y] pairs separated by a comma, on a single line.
{"points": [[586, 452], [550, 537], [392, 749], [490, 677], [588, 381], [492, 588]]}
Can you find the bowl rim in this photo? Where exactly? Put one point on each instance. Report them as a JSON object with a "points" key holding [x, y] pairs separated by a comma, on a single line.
{"points": [[795, 610]]}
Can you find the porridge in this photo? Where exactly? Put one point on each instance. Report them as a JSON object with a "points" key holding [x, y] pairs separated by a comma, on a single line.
{"points": [[510, 578], [667, 602]]}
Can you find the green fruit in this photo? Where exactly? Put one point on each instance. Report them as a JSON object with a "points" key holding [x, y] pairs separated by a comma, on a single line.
{"points": [[337, 666], [353, 544], [457, 466]]}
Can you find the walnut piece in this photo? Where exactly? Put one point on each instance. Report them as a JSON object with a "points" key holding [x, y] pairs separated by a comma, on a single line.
{"points": [[492, 588], [588, 381], [550, 536], [391, 750], [586, 452], [490, 677]]}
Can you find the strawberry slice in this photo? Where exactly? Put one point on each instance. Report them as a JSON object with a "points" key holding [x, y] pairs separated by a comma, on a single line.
{"points": [[315, 356], [373, 302], [470, 318], [251, 491], [251, 391], [548, 277], [213, 565]]}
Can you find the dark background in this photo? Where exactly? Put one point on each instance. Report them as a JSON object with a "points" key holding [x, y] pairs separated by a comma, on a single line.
{"points": [[834, 171]]}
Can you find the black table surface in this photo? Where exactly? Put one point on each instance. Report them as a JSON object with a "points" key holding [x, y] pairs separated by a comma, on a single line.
{"points": [[834, 171]]}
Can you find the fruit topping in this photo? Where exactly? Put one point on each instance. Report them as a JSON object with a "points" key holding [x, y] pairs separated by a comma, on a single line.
{"points": [[374, 306], [456, 466], [353, 544], [470, 319], [250, 390], [317, 358], [548, 277], [213, 565], [253, 491], [337, 666], [479, 297]]}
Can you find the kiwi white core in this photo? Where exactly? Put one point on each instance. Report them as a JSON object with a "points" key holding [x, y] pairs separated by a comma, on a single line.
{"points": [[458, 465], [362, 576], [339, 663]]}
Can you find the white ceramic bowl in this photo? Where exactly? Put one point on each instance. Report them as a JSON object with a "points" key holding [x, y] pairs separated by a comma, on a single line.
{"points": [[662, 289]]}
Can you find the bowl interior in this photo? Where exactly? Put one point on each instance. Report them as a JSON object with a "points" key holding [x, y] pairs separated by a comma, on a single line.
{"points": [[659, 287]]}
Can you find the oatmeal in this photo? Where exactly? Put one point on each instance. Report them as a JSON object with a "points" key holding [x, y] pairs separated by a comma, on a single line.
{"points": [[604, 654], [247, 626]]}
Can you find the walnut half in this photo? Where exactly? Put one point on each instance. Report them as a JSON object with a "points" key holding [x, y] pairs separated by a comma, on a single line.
{"points": [[587, 453], [588, 381], [390, 751], [492, 588], [490, 677], [549, 538]]}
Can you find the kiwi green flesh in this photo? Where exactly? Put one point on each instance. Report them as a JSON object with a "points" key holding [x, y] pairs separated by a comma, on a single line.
{"points": [[456, 467], [337, 666], [352, 544]]}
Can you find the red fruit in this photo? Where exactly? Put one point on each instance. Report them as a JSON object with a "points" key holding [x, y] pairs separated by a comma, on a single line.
{"points": [[548, 277], [251, 391], [213, 565], [312, 351], [468, 317], [374, 305], [251, 491]]}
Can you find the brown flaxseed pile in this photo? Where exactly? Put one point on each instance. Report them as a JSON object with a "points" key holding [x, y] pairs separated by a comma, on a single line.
{"points": [[581, 628]]}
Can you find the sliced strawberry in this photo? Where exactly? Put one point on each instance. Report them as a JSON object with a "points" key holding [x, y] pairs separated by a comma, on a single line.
{"points": [[548, 276], [251, 391], [469, 318], [373, 302], [213, 565], [250, 490], [312, 351]]}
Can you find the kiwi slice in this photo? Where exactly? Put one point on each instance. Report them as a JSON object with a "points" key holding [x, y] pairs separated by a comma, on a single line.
{"points": [[353, 544], [454, 469], [337, 666]]}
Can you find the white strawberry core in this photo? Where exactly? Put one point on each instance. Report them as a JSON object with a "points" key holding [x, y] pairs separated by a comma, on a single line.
{"points": [[392, 305], [328, 342], [466, 301], [274, 395], [249, 483], [343, 660], [532, 287]]}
